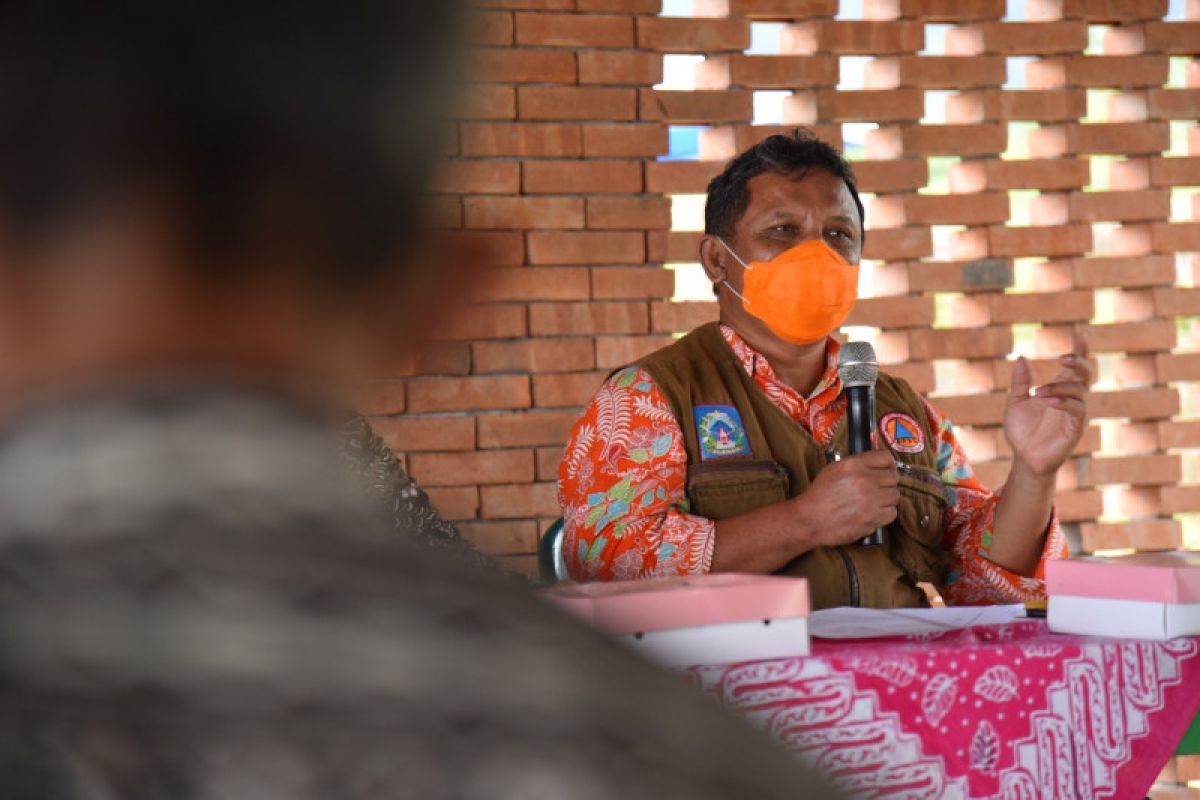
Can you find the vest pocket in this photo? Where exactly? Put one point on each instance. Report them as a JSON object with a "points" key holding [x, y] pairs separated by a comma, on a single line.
{"points": [[916, 536], [722, 490]]}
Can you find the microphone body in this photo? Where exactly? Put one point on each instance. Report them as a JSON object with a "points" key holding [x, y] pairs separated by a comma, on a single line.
{"points": [[858, 370]]}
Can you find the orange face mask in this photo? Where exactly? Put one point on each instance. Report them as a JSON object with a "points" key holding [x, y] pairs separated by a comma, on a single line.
{"points": [[803, 294]]}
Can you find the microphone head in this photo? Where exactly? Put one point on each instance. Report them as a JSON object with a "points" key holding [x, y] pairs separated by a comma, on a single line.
{"points": [[857, 365]]}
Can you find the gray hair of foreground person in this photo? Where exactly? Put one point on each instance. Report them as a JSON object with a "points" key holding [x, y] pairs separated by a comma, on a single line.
{"points": [[192, 603]]}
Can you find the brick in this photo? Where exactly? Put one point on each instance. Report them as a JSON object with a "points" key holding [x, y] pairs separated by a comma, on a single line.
{"points": [[1149, 534], [586, 247], [478, 177], [1134, 404], [444, 213], [617, 351], [898, 244], [455, 502], [1042, 307], [533, 355], [681, 177], [574, 30], [533, 283], [620, 67], [935, 72], [500, 538], [920, 376], [1180, 104], [1099, 71], [1132, 337], [1044, 370], [780, 9], [699, 107], [1096, 10], [571, 102], [489, 102], [884, 105], [852, 37], [523, 212], [1128, 106], [646, 211], [624, 140], [974, 409], [1018, 38], [413, 434], [521, 139], [528, 500], [1180, 499], [465, 469], [566, 389], [491, 321], [491, 28], [380, 397], [925, 140], [1078, 505], [634, 6], [692, 35], [1183, 171], [892, 312], [494, 248], [768, 72], [519, 430], [551, 319], [672, 317], [1177, 302], [468, 394], [522, 66], [1175, 236], [1119, 137], [1185, 433], [934, 10], [622, 283], [1177, 367], [929, 344], [1096, 206], [972, 276], [1023, 242], [975, 176], [722, 142], [536, 5], [1047, 105], [1129, 174], [673, 246], [973, 209], [1174, 38], [548, 459], [891, 176], [430, 358], [593, 176]]}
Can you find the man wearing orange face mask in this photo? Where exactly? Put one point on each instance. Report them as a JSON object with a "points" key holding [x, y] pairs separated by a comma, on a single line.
{"points": [[726, 451]]}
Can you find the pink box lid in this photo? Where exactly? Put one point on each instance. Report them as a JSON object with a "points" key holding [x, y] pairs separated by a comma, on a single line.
{"points": [[1169, 577], [664, 603]]}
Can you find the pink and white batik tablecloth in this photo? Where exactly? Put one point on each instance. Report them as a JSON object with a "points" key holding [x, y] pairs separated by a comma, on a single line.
{"points": [[1007, 711]]}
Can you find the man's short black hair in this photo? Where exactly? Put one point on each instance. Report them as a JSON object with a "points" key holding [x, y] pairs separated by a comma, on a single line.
{"points": [[798, 152], [304, 124]]}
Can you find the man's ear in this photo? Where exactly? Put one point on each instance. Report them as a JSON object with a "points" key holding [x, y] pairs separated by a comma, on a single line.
{"points": [[713, 257]]}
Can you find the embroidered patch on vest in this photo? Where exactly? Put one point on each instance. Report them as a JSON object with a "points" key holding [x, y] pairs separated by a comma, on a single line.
{"points": [[720, 431], [902, 433]]}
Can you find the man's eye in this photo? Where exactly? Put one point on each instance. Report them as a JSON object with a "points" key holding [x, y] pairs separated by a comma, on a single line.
{"points": [[839, 234], [783, 228]]}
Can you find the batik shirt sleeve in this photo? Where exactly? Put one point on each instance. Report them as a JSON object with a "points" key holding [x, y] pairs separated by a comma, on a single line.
{"points": [[974, 579], [622, 486]]}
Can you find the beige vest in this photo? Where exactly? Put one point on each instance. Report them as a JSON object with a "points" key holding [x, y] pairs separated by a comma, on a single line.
{"points": [[769, 457]]}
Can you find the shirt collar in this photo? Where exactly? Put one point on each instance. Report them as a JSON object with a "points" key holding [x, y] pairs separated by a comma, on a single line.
{"points": [[757, 366]]}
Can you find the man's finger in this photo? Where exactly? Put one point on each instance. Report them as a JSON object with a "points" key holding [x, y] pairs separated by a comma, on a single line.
{"points": [[1072, 406], [1062, 389], [1022, 378]]}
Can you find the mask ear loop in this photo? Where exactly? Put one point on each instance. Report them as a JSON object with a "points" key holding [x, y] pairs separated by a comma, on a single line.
{"points": [[745, 266]]}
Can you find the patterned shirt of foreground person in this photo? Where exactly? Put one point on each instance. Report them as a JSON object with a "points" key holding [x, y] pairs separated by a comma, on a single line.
{"points": [[196, 603], [651, 533]]}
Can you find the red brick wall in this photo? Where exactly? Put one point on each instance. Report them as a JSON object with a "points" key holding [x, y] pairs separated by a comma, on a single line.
{"points": [[555, 164]]}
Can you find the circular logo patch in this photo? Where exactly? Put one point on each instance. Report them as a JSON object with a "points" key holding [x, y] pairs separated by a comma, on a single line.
{"points": [[902, 433]]}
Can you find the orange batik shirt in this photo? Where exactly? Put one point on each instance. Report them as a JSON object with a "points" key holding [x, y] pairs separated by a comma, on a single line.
{"points": [[623, 478]]}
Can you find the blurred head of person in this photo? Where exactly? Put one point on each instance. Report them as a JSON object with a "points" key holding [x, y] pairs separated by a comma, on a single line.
{"points": [[212, 187]]}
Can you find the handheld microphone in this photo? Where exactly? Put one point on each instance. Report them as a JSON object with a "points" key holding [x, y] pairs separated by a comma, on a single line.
{"points": [[858, 370]]}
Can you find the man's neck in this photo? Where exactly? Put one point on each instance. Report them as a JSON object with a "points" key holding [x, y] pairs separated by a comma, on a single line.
{"points": [[800, 366]]}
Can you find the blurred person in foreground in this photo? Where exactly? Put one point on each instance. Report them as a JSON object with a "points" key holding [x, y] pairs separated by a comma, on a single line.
{"points": [[204, 208], [727, 450]]}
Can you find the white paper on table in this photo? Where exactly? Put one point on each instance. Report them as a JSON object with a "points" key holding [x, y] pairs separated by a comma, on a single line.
{"points": [[865, 623]]}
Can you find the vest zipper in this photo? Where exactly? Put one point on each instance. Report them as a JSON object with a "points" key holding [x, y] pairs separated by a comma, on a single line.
{"points": [[852, 576]]}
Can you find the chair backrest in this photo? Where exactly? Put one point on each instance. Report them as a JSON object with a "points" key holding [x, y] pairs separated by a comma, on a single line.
{"points": [[552, 568]]}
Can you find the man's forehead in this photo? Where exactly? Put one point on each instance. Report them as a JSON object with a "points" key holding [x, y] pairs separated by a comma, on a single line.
{"points": [[814, 186]]}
